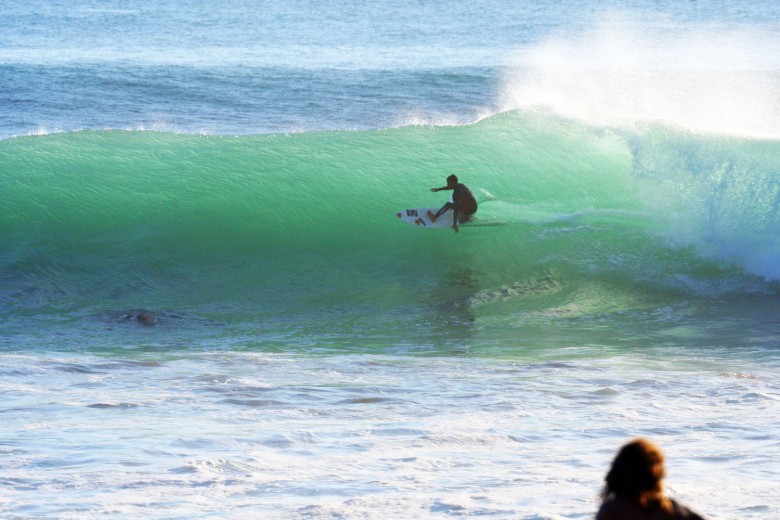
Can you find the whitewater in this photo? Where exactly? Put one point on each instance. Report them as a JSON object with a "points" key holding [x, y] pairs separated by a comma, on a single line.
{"points": [[210, 310]]}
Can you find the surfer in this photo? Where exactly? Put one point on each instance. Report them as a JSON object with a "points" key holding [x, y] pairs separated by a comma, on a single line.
{"points": [[463, 204], [635, 487]]}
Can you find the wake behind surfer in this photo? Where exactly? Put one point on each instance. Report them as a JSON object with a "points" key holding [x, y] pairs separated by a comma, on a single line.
{"points": [[463, 204]]}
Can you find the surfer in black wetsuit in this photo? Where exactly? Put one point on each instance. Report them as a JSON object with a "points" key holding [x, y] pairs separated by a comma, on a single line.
{"points": [[463, 204]]}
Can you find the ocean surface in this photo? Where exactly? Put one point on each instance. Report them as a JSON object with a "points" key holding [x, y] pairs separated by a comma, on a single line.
{"points": [[210, 310]]}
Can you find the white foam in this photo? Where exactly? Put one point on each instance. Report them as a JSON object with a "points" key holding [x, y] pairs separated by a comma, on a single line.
{"points": [[626, 70], [462, 436]]}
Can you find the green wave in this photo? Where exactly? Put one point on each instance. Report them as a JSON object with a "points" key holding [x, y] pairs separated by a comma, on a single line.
{"points": [[570, 217]]}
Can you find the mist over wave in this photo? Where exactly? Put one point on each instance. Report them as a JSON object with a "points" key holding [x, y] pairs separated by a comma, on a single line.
{"points": [[629, 152], [629, 68], [699, 108]]}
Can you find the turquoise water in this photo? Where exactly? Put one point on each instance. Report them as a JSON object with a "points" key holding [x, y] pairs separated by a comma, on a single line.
{"points": [[574, 222], [234, 170]]}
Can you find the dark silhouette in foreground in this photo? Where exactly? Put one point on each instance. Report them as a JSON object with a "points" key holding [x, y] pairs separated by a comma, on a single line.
{"points": [[634, 489]]}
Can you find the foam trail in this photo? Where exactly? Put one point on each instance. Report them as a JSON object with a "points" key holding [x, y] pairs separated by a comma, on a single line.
{"points": [[624, 71]]}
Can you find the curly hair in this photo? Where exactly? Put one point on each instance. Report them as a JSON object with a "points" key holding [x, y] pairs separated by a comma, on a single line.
{"points": [[637, 473]]}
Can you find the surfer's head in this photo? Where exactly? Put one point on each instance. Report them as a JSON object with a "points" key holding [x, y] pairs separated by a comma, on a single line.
{"points": [[452, 180]]}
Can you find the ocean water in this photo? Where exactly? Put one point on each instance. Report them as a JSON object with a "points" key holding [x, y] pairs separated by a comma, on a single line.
{"points": [[234, 170]]}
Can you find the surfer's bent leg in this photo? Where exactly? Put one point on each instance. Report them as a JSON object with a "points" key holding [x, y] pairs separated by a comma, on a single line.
{"points": [[444, 208]]}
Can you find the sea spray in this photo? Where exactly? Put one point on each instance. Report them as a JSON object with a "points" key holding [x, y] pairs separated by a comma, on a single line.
{"points": [[624, 70]]}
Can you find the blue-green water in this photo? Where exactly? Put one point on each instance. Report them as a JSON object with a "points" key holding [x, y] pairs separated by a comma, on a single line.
{"points": [[576, 223], [234, 170]]}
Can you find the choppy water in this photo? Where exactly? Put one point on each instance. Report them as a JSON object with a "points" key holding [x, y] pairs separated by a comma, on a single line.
{"points": [[234, 170]]}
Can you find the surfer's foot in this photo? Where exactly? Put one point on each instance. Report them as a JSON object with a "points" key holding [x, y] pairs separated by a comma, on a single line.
{"points": [[431, 216]]}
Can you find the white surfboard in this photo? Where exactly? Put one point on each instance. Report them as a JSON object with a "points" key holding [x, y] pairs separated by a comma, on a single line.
{"points": [[422, 217]]}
